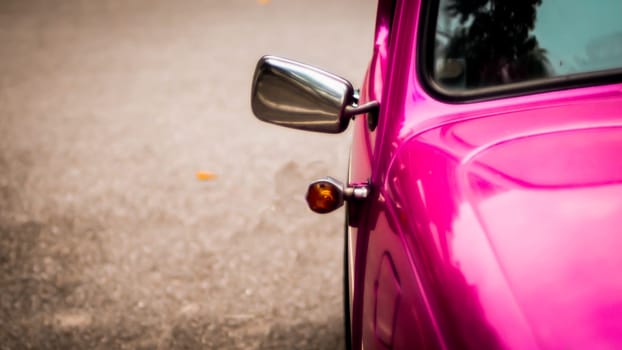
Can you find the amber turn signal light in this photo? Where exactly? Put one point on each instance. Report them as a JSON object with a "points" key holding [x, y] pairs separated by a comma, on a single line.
{"points": [[325, 195]]}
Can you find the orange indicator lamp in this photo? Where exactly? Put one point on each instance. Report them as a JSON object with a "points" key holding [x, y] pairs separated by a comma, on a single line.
{"points": [[325, 195]]}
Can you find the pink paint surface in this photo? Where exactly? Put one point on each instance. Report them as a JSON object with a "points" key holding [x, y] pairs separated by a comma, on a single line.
{"points": [[501, 218]]}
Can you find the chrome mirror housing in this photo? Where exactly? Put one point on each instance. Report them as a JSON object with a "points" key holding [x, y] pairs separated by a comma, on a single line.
{"points": [[299, 96]]}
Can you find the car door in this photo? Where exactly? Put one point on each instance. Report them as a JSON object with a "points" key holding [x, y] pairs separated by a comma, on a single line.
{"points": [[383, 290]]}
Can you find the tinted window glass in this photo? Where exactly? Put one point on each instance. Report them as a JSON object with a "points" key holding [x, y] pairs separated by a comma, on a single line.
{"points": [[483, 43]]}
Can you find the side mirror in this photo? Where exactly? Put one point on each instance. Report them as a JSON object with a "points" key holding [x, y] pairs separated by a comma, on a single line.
{"points": [[299, 96]]}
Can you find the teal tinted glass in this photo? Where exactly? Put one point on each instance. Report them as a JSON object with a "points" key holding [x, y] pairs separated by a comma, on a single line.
{"points": [[484, 43]]}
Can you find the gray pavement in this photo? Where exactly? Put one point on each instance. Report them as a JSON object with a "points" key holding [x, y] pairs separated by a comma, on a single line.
{"points": [[107, 241]]}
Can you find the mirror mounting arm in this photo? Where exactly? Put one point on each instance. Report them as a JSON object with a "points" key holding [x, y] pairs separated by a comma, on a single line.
{"points": [[371, 106]]}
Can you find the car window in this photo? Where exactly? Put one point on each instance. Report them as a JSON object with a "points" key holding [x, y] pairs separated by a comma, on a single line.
{"points": [[488, 43]]}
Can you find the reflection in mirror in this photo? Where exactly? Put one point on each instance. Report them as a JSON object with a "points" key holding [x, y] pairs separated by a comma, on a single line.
{"points": [[482, 43]]}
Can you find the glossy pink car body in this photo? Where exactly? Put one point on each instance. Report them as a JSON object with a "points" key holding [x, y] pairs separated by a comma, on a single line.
{"points": [[492, 224]]}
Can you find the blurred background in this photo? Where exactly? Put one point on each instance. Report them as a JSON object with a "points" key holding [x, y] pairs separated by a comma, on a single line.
{"points": [[107, 239]]}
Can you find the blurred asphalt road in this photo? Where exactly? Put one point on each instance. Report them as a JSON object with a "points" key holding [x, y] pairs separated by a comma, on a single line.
{"points": [[107, 240]]}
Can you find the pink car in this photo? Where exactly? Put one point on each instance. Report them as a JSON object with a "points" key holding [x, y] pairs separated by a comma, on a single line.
{"points": [[485, 187]]}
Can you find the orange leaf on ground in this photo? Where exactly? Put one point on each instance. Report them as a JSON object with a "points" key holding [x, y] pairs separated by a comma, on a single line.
{"points": [[205, 175]]}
